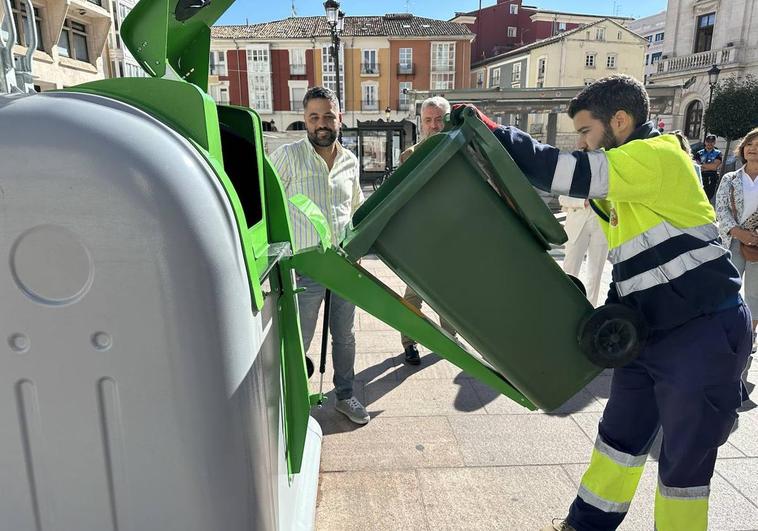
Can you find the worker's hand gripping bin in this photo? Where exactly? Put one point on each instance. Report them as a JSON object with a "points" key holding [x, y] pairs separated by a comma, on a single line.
{"points": [[460, 224], [152, 366]]}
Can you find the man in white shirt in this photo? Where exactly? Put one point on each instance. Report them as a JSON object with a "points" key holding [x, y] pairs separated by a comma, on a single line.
{"points": [[433, 112], [320, 168]]}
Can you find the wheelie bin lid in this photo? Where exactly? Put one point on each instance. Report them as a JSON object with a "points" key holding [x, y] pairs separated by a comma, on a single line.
{"points": [[465, 134], [171, 38]]}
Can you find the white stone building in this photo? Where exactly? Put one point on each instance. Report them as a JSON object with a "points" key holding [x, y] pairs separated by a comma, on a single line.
{"points": [[698, 35]]}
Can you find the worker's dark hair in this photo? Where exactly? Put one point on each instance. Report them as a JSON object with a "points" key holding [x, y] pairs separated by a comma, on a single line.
{"points": [[320, 93], [605, 97]]}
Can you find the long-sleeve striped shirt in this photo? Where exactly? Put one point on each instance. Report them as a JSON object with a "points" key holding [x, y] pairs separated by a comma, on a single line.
{"points": [[337, 192]]}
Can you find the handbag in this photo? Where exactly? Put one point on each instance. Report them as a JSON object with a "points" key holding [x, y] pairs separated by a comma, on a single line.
{"points": [[749, 253]]}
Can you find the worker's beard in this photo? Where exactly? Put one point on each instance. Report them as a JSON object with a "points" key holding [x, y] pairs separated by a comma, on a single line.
{"points": [[609, 140], [319, 140]]}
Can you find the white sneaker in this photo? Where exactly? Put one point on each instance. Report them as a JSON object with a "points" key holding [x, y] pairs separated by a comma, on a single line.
{"points": [[353, 410]]}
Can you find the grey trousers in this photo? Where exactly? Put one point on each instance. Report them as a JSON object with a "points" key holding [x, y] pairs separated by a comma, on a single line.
{"points": [[341, 327], [412, 298]]}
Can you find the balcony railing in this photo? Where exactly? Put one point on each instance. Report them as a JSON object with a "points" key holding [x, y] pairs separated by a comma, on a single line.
{"points": [[297, 70], [296, 105], [369, 69], [698, 61], [369, 105], [403, 105], [405, 69]]}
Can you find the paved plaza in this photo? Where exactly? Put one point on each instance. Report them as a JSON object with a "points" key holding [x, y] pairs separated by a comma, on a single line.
{"points": [[443, 451]]}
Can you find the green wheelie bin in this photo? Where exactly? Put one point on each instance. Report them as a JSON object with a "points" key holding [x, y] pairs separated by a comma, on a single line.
{"points": [[461, 225]]}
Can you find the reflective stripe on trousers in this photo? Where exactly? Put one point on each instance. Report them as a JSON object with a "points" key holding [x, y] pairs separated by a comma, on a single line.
{"points": [[681, 509], [611, 479]]}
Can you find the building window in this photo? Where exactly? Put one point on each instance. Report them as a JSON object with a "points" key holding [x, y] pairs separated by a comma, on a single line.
{"points": [[223, 95], [259, 78], [480, 79], [693, 118], [588, 82], [328, 72], [19, 15], [73, 41], [513, 9], [600, 34], [218, 63], [369, 97], [297, 93], [561, 26], [495, 78], [649, 39], [297, 62], [647, 59], [589, 60], [405, 65], [369, 64], [704, 34], [443, 66], [655, 57], [404, 103], [610, 62], [541, 67], [512, 31], [443, 81], [659, 37], [516, 76]]}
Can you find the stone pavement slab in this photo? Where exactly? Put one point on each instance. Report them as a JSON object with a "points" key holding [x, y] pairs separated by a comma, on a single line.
{"points": [[497, 440], [508, 498], [388, 443], [370, 500]]}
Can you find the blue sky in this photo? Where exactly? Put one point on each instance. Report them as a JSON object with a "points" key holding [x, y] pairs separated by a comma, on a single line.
{"points": [[262, 11]]}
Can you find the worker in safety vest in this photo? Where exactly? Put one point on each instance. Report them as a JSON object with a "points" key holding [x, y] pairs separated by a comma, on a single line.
{"points": [[670, 266]]}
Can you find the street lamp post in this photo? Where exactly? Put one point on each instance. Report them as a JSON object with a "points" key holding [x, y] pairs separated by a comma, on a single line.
{"points": [[713, 79], [336, 20]]}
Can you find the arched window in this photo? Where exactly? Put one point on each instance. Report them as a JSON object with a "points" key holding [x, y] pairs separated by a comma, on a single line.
{"points": [[693, 119], [296, 126]]}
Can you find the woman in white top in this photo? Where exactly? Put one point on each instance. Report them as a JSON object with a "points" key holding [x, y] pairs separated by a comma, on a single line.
{"points": [[736, 201]]}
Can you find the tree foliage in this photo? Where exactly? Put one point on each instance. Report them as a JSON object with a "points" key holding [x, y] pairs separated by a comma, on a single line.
{"points": [[734, 110]]}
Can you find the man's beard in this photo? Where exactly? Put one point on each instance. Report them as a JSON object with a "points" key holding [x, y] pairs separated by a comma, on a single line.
{"points": [[608, 141], [326, 141]]}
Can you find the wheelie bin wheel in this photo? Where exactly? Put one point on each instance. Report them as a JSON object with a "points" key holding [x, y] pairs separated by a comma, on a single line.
{"points": [[579, 284], [309, 366], [612, 335]]}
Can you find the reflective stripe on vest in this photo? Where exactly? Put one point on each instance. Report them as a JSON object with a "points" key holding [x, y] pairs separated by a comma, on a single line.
{"points": [[611, 479], [677, 266], [659, 234], [681, 509], [670, 270]]}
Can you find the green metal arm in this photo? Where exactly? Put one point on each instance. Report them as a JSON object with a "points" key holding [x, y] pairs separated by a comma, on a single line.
{"points": [[352, 282]]}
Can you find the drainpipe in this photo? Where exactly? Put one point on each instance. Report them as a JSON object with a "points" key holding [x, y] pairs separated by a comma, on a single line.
{"points": [[239, 70]]}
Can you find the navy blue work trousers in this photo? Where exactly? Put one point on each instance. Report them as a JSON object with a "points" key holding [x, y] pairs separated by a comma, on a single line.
{"points": [[687, 383]]}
